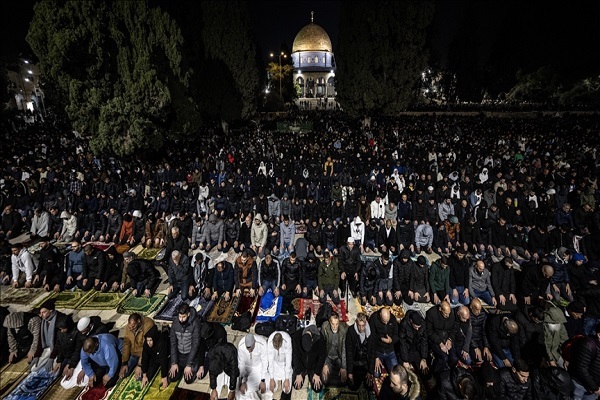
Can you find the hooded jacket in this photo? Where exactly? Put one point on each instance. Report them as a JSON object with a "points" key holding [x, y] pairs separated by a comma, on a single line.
{"points": [[308, 362], [158, 354], [259, 232]]}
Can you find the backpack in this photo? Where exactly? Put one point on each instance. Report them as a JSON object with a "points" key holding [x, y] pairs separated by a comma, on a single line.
{"points": [[323, 314], [569, 346], [265, 328], [242, 322], [287, 323]]}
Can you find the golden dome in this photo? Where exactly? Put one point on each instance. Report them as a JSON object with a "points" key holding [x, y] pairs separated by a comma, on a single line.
{"points": [[312, 38]]}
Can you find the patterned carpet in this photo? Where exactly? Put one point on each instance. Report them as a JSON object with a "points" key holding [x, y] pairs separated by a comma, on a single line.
{"points": [[141, 305], [68, 299], [10, 295], [33, 386], [102, 301], [223, 310], [11, 375], [334, 393], [315, 305]]}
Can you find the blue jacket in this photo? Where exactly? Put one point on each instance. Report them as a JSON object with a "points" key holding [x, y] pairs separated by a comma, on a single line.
{"points": [[108, 354]]}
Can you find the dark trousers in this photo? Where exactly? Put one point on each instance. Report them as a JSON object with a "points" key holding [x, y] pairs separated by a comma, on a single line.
{"points": [[179, 287], [352, 284], [182, 363], [101, 371]]}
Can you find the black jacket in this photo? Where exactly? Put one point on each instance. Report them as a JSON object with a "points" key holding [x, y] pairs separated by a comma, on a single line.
{"points": [[511, 389], [94, 265], [223, 358], [358, 355], [585, 363], [308, 363], [448, 387], [411, 339], [379, 330], [349, 260], [551, 383], [142, 271], [97, 328], [438, 328], [499, 338], [180, 274], [158, 354]]}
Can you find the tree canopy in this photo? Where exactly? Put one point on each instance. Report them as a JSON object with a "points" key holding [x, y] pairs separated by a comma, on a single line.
{"points": [[118, 64], [381, 54]]}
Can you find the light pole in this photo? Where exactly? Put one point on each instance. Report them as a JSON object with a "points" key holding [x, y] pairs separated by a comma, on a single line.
{"points": [[282, 54]]}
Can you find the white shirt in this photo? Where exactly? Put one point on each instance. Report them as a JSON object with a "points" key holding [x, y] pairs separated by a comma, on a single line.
{"points": [[23, 262], [280, 361]]}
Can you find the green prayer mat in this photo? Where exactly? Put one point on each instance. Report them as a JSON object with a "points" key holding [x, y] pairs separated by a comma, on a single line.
{"points": [[141, 305], [223, 311], [68, 299], [10, 295], [149, 254], [103, 301], [128, 389], [57, 392], [156, 392], [340, 393], [11, 375]]}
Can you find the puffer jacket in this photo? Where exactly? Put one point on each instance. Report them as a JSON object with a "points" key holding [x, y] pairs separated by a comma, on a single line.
{"points": [[214, 230], [510, 388], [184, 339], [259, 233], [553, 383], [585, 363]]}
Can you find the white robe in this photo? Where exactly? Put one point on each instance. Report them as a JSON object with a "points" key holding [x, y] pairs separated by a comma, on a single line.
{"points": [[280, 361], [253, 367]]}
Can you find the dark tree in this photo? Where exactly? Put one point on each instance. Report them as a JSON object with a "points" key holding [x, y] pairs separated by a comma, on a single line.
{"points": [[119, 64], [381, 54]]}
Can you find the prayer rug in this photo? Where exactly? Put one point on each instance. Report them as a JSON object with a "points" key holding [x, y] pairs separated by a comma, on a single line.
{"points": [[33, 386], [101, 245], [223, 310], [315, 305], [21, 239], [270, 307], [11, 375], [57, 392], [137, 249], [169, 311], [10, 295], [397, 311], [148, 254], [95, 393], [68, 299], [102, 301], [251, 304], [141, 305], [340, 393], [185, 394], [128, 389], [202, 306], [156, 392]]}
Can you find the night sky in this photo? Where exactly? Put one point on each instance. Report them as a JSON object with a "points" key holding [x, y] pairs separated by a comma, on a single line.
{"points": [[565, 34]]}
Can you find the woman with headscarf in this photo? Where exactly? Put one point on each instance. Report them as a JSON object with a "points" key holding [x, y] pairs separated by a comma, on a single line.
{"points": [[155, 356]]}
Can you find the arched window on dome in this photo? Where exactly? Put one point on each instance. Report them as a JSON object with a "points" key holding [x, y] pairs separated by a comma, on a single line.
{"points": [[316, 59], [330, 81]]}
